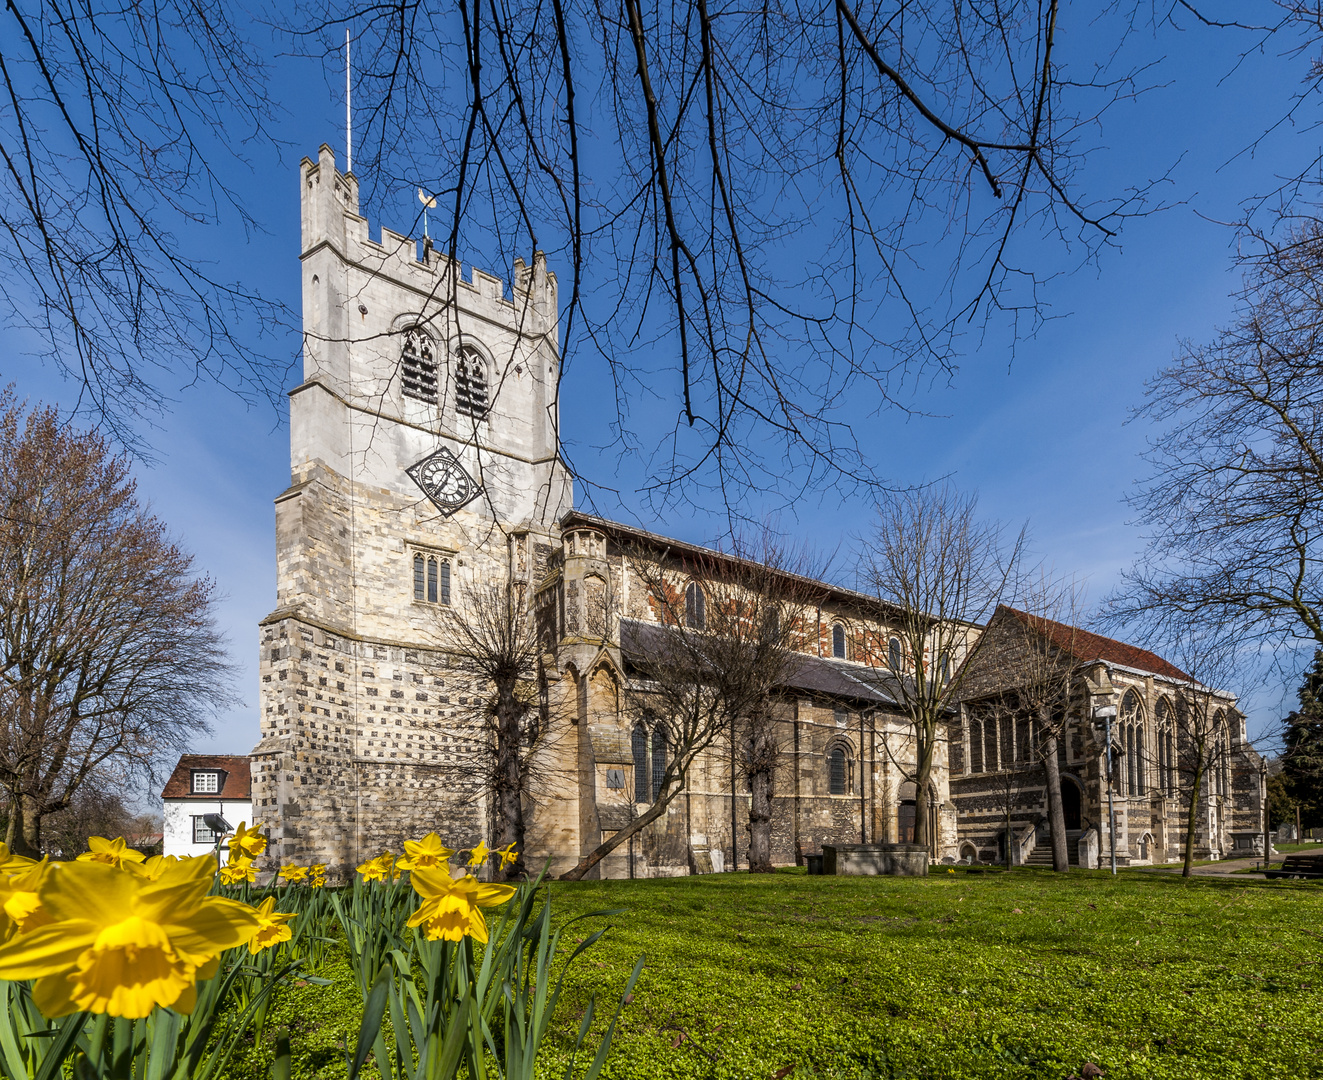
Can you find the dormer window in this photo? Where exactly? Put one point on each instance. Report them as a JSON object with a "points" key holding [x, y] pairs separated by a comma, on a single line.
{"points": [[206, 781], [418, 368], [471, 385]]}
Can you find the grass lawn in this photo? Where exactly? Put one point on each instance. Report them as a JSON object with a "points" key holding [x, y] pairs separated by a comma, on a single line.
{"points": [[1025, 974]]}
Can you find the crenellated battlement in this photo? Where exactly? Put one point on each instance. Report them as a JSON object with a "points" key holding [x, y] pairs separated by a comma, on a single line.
{"points": [[331, 216]]}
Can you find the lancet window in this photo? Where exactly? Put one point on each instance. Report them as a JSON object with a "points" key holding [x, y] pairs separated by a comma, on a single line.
{"points": [[431, 578], [418, 367], [471, 387]]}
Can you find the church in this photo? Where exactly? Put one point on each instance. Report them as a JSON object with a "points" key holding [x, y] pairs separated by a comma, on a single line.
{"points": [[424, 459]]}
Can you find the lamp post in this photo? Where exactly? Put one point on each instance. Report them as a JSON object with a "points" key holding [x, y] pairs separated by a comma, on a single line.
{"points": [[1107, 713]]}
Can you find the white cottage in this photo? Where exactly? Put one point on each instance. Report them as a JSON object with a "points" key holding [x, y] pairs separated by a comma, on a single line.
{"points": [[203, 784]]}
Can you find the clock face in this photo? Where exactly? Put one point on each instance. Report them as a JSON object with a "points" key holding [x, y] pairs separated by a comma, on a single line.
{"points": [[444, 481]]}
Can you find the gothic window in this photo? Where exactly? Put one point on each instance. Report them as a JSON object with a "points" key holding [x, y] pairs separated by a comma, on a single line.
{"points": [[642, 778], [990, 745], [838, 641], [431, 579], [975, 746], [1139, 760], [836, 771], [658, 760], [695, 607], [471, 392], [1130, 717], [418, 367], [893, 655]]}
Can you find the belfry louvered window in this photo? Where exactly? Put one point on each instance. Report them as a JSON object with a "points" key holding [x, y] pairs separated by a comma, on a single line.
{"points": [[471, 389], [418, 367]]}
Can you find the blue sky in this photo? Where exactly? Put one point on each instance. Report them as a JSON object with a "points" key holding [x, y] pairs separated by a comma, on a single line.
{"points": [[1043, 438]]}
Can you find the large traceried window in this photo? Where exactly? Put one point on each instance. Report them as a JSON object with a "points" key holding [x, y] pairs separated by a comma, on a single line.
{"points": [[418, 367], [431, 578], [1129, 768], [471, 386]]}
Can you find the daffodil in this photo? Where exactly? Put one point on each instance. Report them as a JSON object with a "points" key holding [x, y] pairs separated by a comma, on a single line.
{"points": [[11, 863], [292, 875], [429, 851], [452, 907], [317, 875], [238, 870], [273, 929], [112, 852], [20, 903], [153, 868], [123, 944], [247, 842], [479, 854], [378, 869], [507, 855]]}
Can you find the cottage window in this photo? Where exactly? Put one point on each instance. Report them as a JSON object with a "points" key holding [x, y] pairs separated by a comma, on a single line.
{"points": [[202, 834], [206, 782], [418, 367], [471, 390], [838, 641]]}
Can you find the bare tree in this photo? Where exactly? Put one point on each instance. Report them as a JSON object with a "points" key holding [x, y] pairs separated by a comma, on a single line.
{"points": [[109, 653], [942, 571], [490, 638], [121, 127], [1235, 499], [715, 656]]}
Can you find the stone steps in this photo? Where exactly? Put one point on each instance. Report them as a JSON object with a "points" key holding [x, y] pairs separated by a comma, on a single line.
{"points": [[1042, 853]]}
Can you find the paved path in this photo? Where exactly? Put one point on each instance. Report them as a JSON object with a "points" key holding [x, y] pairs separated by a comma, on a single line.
{"points": [[1224, 868]]}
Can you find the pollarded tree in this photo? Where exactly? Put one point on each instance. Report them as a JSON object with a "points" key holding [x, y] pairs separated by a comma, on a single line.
{"points": [[722, 645], [109, 652], [942, 571]]}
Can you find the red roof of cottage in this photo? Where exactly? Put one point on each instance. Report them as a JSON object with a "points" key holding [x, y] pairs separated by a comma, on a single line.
{"points": [[236, 779], [1083, 645]]}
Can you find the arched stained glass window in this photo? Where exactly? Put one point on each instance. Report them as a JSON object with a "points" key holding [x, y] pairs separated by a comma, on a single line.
{"points": [[695, 607], [658, 760], [838, 641], [642, 777], [836, 771]]}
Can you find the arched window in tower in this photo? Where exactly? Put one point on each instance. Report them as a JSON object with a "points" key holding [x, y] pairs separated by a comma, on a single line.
{"points": [[836, 771], [418, 367], [419, 576], [894, 655], [642, 777], [431, 578], [838, 641], [471, 390], [695, 607], [658, 760]]}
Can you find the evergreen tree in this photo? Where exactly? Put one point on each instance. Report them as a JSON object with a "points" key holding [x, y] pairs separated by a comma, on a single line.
{"points": [[1302, 758]]}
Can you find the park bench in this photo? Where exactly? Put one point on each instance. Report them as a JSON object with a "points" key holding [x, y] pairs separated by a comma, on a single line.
{"points": [[1297, 866]]}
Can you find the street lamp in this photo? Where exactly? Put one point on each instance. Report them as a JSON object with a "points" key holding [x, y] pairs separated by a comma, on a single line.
{"points": [[220, 828], [1107, 713]]}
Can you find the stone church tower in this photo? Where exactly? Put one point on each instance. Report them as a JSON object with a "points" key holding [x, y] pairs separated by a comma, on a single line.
{"points": [[423, 456]]}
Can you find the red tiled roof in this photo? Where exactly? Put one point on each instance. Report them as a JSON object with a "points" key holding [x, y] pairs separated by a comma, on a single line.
{"points": [[1086, 646], [236, 783]]}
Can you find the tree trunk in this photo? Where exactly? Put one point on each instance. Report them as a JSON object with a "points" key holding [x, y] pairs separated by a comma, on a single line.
{"points": [[576, 872], [1056, 813], [509, 782], [760, 822], [1191, 818], [922, 775], [27, 836]]}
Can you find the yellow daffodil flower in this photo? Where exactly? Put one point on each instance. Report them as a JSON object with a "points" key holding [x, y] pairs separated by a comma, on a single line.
{"points": [[11, 863], [20, 904], [317, 876], [451, 907], [112, 852], [273, 929], [377, 869], [508, 855], [292, 875], [122, 944], [238, 870], [429, 851], [247, 842], [479, 854], [153, 867]]}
